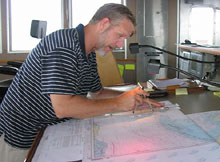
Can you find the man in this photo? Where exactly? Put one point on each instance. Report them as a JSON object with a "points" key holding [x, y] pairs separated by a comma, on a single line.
{"points": [[52, 84]]}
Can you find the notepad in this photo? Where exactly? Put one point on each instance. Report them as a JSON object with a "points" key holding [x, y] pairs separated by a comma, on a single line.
{"points": [[216, 94], [181, 91]]}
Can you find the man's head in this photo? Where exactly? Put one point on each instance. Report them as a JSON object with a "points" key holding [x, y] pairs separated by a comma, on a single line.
{"points": [[114, 12], [115, 23]]}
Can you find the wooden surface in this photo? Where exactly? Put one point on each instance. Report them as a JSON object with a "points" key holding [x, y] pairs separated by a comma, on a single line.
{"points": [[108, 70], [34, 145], [213, 51]]}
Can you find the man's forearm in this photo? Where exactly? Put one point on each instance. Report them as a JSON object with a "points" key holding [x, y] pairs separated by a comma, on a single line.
{"points": [[105, 93], [80, 107]]}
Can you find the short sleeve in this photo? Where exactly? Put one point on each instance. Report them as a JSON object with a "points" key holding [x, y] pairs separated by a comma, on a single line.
{"points": [[59, 72]]}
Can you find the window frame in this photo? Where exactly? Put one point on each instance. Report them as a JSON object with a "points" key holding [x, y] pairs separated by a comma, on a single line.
{"points": [[7, 54]]}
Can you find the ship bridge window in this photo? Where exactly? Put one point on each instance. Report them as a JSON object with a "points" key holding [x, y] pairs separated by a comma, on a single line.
{"points": [[202, 25]]}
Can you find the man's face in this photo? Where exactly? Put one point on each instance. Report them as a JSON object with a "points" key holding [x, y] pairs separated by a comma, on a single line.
{"points": [[114, 37]]}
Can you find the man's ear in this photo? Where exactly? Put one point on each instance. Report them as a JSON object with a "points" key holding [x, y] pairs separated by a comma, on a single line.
{"points": [[104, 24]]}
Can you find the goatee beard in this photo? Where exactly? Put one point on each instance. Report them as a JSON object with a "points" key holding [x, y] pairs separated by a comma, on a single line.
{"points": [[101, 52]]}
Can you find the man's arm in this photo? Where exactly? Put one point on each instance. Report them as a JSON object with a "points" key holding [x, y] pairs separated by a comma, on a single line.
{"points": [[81, 107], [104, 93]]}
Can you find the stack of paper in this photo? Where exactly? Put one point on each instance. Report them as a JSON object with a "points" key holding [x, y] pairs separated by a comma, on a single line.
{"points": [[163, 84]]}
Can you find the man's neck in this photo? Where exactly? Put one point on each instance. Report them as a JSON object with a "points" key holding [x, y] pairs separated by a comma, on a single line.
{"points": [[90, 38]]}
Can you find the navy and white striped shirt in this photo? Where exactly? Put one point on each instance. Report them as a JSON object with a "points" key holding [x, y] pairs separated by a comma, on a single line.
{"points": [[58, 65]]}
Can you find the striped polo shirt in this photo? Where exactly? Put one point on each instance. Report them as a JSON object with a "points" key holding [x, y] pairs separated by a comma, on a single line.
{"points": [[57, 65]]}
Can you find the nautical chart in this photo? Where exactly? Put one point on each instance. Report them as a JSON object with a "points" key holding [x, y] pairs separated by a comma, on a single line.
{"points": [[209, 122], [129, 134]]}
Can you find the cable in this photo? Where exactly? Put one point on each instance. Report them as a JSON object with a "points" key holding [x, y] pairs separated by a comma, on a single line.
{"points": [[171, 53], [8, 70]]}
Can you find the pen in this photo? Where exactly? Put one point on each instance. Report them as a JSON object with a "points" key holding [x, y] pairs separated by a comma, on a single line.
{"points": [[134, 110], [145, 97], [141, 95], [151, 108], [140, 85]]}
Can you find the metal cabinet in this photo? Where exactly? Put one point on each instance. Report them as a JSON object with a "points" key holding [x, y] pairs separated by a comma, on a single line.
{"points": [[152, 29]]}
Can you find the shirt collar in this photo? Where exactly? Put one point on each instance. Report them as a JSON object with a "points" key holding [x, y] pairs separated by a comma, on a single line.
{"points": [[80, 30]]}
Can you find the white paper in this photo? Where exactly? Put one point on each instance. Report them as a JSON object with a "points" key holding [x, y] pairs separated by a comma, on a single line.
{"points": [[62, 142]]}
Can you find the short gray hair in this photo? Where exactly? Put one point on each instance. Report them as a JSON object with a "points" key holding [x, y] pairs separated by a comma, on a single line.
{"points": [[114, 12]]}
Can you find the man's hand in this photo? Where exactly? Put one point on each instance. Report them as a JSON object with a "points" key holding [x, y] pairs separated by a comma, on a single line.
{"points": [[131, 99]]}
